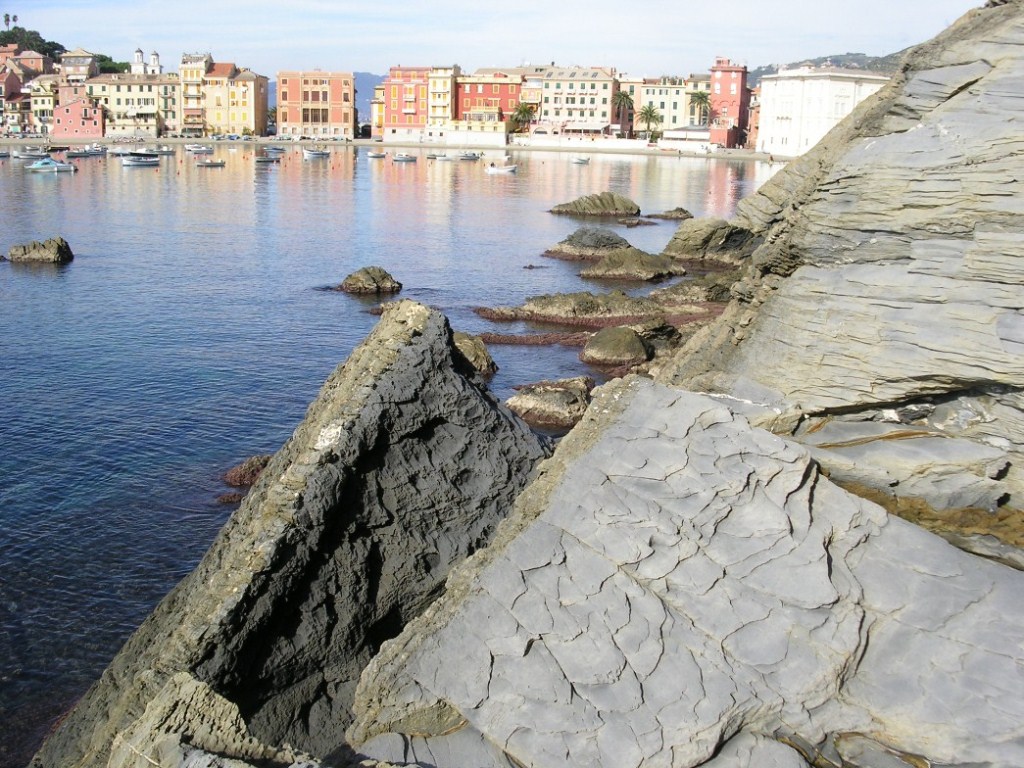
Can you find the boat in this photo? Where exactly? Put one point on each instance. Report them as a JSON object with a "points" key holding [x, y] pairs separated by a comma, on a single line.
{"points": [[580, 160], [470, 155], [443, 158], [312, 153], [268, 159], [199, 149], [403, 157], [29, 153], [49, 165], [4, 154], [207, 162], [89, 150], [274, 150], [140, 159], [492, 168], [376, 155], [161, 150]]}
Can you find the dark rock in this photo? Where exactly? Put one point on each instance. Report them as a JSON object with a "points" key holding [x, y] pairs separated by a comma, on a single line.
{"points": [[247, 472], [373, 280], [588, 243], [230, 498], [403, 466], [603, 204], [54, 250], [634, 264], [712, 239], [676, 214]]}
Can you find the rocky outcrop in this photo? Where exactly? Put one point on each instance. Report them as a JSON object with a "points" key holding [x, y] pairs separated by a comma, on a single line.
{"points": [[54, 250], [604, 204], [634, 264], [587, 244], [402, 467], [676, 581], [552, 404], [676, 214], [248, 471], [595, 310], [713, 239], [886, 288], [475, 351], [370, 280], [618, 346]]}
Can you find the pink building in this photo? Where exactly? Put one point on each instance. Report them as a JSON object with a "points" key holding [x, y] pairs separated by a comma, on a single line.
{"points": [[79, 119], [730, 103], [316, 104], [405, 100]]}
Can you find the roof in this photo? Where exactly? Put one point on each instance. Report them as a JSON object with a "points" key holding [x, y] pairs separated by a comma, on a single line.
{"points": [[227, 69], [77, 52]]}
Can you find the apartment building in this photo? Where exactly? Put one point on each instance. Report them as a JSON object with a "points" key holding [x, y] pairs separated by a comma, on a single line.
{"points": [[143, 106], [43, 93], [80, 118], [78, 65], [316, 104], [730, 103], [406, 95], [235, 100], [799, 106], [577, 100]]}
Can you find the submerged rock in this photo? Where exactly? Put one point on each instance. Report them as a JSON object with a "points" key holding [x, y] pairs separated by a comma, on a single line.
{"points": [[54, 250], [402, 467], [373, 280], [603, 204], [248, 471]]}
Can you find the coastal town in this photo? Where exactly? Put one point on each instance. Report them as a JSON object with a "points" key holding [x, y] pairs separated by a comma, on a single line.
{"points": [[68, 98]]}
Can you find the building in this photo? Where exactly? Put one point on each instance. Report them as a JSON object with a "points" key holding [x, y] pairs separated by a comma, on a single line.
{"points": [[730, 103], [10, 85], [191, 73], [799, 106], [43, 96], [405, 103], [78, 65], [17, 116], [137, 105], [577, 100], [316, 104], [484, 104], [221, 98], [31, 64], [80, 118], [670, 98]]}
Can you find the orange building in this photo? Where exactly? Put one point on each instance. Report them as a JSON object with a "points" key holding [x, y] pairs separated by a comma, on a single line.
{"points": [[730, 102], [316, 104]]}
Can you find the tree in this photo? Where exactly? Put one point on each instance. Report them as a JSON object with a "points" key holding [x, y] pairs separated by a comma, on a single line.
{"points": [[649, 114], [7, 20], [30, 40], [523, 115], [702, 100], [623, 104]]}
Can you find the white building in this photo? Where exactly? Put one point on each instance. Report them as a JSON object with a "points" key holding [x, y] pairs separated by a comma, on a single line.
{"points": [[799, 106]]}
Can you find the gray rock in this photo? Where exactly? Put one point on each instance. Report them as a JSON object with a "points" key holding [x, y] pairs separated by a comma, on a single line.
{"points": [[714, 239], [374, 280], [633, 264], [475, 351], [674, 579], [676, 214], [403, 465], [54, 250], [552, 404], [599, 205], [588, 243], [616, 347]]}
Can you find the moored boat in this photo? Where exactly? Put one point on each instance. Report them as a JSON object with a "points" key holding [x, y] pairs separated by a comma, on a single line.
{"points": [[494, 169], [140, 159], [580, 160], [209, 163], [312, 153], [161, 150], [29, 153], [199, 149], [470, 155], [268, 159], [49, 165], [376, 155], [403, 157], [89, 150]]}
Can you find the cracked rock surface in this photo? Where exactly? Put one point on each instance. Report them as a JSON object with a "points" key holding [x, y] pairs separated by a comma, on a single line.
{"points": [[675, 580], [402, 467]]}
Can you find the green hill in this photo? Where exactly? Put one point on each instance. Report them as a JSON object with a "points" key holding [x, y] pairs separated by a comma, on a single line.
{"points": [[885, 64]]}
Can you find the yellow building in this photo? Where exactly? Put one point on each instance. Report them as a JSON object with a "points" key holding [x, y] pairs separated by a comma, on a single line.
{"points": [[43, 92], [235, 100], [143, 106]]}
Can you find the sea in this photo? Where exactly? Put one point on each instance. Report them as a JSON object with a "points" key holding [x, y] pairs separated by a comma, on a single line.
{"points": [[196, 324]]}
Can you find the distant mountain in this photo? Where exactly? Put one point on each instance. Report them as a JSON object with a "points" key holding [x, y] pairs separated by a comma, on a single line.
{"points": [[886, 65], [365, 82]]}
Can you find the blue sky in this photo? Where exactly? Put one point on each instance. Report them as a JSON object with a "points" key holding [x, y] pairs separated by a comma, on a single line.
{"points": [[643, 39]]}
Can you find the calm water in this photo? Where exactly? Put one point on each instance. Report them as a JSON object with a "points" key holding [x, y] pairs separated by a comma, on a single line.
{"points": [[191, 331]]}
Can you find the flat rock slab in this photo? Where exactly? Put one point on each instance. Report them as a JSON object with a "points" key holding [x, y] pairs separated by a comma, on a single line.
{"points": [[675, 578]]}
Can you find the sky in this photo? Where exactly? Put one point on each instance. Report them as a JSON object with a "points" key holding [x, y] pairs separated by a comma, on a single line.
{"points": [[659, 37]]}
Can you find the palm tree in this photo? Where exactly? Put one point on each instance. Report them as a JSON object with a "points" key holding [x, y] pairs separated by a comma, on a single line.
{"points": [[523, 115], [702, 100], [7, 20], [649, 114], [623, 103]]}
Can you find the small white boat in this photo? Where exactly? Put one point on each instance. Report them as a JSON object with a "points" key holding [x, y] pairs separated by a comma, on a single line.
{"points": [[29, 153], [161, 150], [199, 149], [89, 150], [49, 165], [403, 157], [580, 160], [140, 160], [208, 163], [443, 158], [268, 158], [492, 168], [470, 156], [313, 153], [376, 155], [274, 150]]}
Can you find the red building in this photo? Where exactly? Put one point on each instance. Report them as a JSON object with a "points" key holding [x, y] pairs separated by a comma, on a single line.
{"points": [[487, 96], [79, 119], [405, 101], [730, 103]]}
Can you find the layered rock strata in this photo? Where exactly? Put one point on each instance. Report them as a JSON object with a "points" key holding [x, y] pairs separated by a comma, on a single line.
{"points": [[601, 205], [676, 585], [403, 466], [886, 288]]}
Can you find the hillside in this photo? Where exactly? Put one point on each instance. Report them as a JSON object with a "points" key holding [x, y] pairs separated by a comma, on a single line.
{"points": [[886, 64]]}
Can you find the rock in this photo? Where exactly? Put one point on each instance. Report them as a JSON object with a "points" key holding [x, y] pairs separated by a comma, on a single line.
{"points": [[246, 473], [370, 280], [54, 250], [714, 239], [887, 275], [403, 466], [475, 351], [616, 347], [601, 205], [587, 243], [601, 310], [675, 579], [230, 498], [633, 264], [676, 214], [552, 404]]}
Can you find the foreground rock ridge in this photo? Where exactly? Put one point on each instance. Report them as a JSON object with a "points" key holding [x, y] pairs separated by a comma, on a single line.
{"points": [[677, 585], [883, 295], [402, 467]]}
